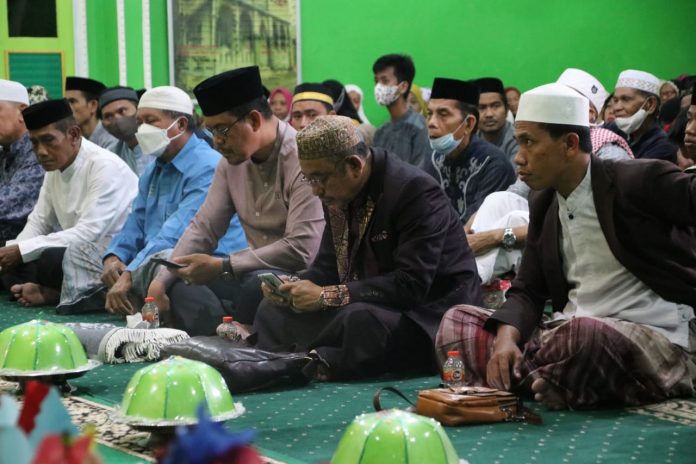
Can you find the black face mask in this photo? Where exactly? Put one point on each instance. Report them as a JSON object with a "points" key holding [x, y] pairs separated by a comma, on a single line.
{"points": [[122, 128]]}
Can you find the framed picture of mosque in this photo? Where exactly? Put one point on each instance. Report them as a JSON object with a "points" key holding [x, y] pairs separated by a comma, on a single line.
{"points": [[211, 36]]}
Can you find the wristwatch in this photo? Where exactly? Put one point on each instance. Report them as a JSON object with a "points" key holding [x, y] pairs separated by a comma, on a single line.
{"points": [[509, 239], [227, 273]]}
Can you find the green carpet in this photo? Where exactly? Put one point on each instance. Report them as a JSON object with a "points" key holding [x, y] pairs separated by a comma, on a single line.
{"points": [[305, 425]]}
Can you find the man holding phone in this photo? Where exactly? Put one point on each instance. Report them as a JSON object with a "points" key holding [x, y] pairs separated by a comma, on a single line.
{"points": [[392, 260], [261, 182], [170, 191]]}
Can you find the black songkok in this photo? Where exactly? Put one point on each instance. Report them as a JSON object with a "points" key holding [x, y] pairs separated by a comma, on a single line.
{"points": [[228, 90], [46, 112], [453, 89]]}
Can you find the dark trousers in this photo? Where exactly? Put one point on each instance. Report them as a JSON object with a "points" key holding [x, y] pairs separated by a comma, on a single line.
{"points": [[199, 309], [46, 271], [358, 340]]}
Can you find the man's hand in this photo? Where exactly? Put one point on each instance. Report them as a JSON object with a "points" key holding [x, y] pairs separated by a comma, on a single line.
{"points": [[113, 269], [305, 296], [10, 257], [199, 268], [276, 296], [506, 357], [117, 301], [158, 291], [483, 242]]}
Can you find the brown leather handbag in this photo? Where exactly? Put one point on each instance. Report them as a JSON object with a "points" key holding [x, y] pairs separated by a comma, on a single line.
{"points": [[466, 405]]}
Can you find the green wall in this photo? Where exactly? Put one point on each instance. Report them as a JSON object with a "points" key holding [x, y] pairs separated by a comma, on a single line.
{"points": [[63, 44], [524, 42], [102, 37]]}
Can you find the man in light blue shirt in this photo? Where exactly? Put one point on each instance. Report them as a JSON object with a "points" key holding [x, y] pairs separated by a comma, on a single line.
{"points": [[170, 191]]}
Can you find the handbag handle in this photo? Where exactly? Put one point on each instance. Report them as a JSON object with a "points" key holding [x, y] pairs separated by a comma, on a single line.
{"points": [[378, 405]]}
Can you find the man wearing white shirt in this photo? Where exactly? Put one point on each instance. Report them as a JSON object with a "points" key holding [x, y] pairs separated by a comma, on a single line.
{"points": [[79, 202], [613, 245]]}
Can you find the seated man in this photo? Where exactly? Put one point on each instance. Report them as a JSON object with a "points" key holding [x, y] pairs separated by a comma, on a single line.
{"points": [[493, 110], [636, 106], [85, 197], [308, 103], [118, 106], [392, 258], [468, 167], [170, 191], [690, 131], [261, 182], [20, 172], [498, 230], [623, 330], [83, 95]]}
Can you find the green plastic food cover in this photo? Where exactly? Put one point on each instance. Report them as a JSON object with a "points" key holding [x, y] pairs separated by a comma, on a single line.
{"points": [[40, 346], [171, 390], [394, 437]]}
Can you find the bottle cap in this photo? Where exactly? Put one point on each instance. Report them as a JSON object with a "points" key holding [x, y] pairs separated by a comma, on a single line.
{"points": [[227, 319], [452, 354], [149, 299]]}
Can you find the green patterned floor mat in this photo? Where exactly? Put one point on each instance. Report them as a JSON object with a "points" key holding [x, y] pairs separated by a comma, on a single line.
{"points": [[305, 425]]}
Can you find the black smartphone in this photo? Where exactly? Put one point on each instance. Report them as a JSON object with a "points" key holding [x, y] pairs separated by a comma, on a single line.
{"points": [[167, 263]]}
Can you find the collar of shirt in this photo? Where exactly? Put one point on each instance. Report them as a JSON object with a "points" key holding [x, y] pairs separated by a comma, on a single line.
{"points": [[67, 174], [186, 158], [21, 145], [277, 144], [578, 197]]}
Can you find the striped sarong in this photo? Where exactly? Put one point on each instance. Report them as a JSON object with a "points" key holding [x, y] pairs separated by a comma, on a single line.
{"points": [[590, 361]]}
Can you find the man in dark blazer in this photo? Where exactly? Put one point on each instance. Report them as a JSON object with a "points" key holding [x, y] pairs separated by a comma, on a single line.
{"points": [[613, 245], [392, 260]]}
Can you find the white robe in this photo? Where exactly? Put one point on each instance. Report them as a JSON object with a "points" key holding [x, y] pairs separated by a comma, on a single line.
{"points": [[87, 202]]}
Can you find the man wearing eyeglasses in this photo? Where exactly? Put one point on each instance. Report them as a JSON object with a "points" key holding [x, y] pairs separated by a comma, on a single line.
{"points": [[261, 182], [392, 259]]}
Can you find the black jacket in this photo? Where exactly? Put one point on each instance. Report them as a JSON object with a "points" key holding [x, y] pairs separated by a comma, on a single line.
{"points": [[414, 252], [647, 212]]}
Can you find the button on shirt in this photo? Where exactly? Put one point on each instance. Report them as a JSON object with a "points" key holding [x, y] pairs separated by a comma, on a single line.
{"points": [[89, 201], [169, 194], [283, 223], [600, 285], [21, 176]]}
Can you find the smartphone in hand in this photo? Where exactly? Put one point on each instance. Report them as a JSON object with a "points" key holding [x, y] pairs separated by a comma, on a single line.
{"points": [[167, 263], [272, 280]]}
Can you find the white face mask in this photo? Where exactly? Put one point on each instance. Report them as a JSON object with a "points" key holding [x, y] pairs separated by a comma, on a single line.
{"points": [[154, 140], [386, 94], [631, 123]]}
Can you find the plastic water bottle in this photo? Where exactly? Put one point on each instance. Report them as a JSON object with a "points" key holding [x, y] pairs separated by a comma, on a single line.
{"points": [[453, 370], [150, 313], [228, 330]]}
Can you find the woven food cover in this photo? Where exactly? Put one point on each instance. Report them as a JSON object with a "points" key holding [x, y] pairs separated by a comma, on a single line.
{"points": [[41, 346], [171, 391], [394, 437]]}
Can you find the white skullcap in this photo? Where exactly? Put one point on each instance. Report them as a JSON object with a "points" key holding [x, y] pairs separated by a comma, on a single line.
{"points": [[639, 80], [554, 104], [586, 84], [12, 91], [167, 97]]}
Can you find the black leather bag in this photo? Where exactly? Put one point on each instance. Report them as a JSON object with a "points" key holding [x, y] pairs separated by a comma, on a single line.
{"points": [[244, 368]]}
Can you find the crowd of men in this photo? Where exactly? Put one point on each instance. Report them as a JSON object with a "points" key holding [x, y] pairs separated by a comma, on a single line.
{"points": [[386, 241]]}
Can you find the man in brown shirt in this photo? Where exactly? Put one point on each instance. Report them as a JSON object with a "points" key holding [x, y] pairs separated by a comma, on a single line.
{"points": [[261, 182]]}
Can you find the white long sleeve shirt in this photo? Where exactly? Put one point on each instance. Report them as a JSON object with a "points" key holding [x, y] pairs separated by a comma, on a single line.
{"points": [[87, 202], [601, 285]]}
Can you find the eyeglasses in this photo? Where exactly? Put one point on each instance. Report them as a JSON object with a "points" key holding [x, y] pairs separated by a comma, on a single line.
{"points": [[221, 131], [321, 179]]}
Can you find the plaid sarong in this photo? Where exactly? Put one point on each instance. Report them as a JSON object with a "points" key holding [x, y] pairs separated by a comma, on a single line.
{"points": [[591, 361]]}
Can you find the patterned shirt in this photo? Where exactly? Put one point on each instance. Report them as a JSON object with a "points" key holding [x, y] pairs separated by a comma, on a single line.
{"points": [[482, 168], [21, 176]]}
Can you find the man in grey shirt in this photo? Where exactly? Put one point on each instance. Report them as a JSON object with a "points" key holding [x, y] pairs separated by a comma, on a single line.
{"points": [[493, 110], [83, 95], [405, 134]]}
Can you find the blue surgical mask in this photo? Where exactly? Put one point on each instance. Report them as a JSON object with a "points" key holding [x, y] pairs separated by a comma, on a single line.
{"points": [[447, 143]]}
